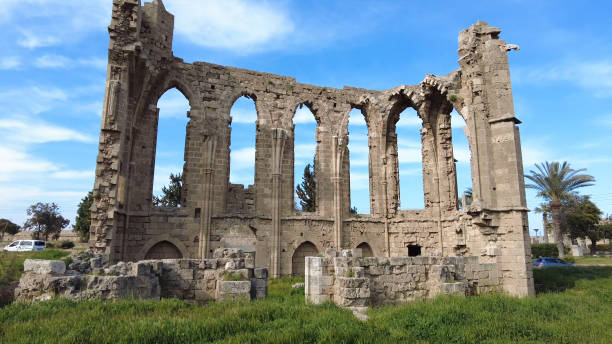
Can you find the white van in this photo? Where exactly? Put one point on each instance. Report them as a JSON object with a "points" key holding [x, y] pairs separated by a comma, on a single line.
{"points": [[26, 245]]}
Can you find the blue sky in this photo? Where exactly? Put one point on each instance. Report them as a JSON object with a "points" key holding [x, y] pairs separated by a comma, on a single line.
{"points": [[53, 64]]}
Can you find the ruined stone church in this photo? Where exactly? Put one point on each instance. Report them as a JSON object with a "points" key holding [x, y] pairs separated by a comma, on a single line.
{"points": [[261, 218]]}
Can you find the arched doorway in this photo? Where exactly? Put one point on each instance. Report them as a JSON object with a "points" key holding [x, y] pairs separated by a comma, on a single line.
{"points": [[298, 263], [164, 250], [366, 250]]}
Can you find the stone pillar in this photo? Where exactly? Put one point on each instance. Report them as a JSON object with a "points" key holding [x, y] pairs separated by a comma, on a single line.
{"points": [[279, 136], [208, 153], [497, 166], [337, 158]]}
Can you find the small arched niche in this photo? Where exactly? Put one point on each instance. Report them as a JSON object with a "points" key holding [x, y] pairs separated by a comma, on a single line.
{"points": [[164, 250], [170, 149], [366, 249], [298, 262]]}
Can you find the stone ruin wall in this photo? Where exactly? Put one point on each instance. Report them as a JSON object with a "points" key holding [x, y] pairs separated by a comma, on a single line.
{"points": [[87, 277], [262, 218], [350, 280]]}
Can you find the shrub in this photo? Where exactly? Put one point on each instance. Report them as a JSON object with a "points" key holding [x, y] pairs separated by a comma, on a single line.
{"points": [[66, 244], [50, 244], [544, 250], [569, 259], [233, 276]]}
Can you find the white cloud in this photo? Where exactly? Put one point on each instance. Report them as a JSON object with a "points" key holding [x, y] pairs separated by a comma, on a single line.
{"points": [[409, 121], [18, 162], [243, 116], [71, 174], [32, 40], [304, 152], [242, 158], [173, 104], [10, 62], [43, 23], [303, 115], [595, 75], [360, 181], [462, 154], [59, 61], [237, 25], [409, 155], [30, 101], [52, 61], [18, 130], [356, 119]]}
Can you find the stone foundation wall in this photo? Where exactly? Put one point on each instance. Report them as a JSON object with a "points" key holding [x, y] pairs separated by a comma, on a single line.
{"points": [[229, 276], [350, 280]]}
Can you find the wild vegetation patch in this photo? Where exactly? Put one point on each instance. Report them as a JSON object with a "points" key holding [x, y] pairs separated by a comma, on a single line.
{"points": [[573, 305]]}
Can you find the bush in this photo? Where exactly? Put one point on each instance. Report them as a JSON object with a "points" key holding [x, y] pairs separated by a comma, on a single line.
{"points": [[66, 244], [569, 259], [544, 250], [50, 244]]}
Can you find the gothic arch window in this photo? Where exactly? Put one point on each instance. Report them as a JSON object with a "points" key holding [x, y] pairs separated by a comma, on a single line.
{"points": [[304, 154], [359, 154], [170, 144]]}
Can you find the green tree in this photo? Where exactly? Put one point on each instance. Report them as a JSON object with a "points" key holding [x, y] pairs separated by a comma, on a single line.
{"points": [[581, 219], [555, 182], [45, 219], [605, 229], [83, 219], [7, 227], [307, 190], [171, 195]]}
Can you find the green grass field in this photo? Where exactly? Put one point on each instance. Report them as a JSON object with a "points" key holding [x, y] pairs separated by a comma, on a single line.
{"points": [[590, 260], [573, 305]]}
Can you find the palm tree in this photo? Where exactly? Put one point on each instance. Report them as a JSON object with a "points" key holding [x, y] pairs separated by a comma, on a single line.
{"points": [[555, 182]]}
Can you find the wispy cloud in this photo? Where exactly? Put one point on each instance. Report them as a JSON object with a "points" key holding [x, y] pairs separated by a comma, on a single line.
{"points": [[59, 61], [303, 115], [594, 75], [237, 25], [44, 23], [10, 62], [71, 174], [17, 161], [22, 130], [173, 104]]}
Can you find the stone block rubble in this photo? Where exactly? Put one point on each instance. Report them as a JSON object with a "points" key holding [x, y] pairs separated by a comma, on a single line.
{"points": [[353, 281], [231, 275]]}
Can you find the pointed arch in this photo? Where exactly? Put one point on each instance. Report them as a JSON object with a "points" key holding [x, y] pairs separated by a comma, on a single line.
{"points": [[170, 144], [305, 147]]}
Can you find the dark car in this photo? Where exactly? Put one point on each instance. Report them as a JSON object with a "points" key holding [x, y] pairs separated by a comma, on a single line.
{"points": [[543, 262]]}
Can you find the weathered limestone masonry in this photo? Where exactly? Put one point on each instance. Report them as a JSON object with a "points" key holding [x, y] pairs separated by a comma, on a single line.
{"points": [[231, 275], [261, 218], [351, 281]]}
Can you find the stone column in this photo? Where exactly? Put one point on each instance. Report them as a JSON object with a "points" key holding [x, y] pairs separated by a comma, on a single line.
{"points": [[279, 136], [338, 150], [208, 153]]}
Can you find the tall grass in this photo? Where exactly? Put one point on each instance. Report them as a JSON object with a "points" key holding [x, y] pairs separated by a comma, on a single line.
{"points": [[11, 263], [574, 305]]}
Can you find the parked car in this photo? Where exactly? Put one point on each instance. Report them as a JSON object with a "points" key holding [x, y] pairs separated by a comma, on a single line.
{"points": [[544, 262], [26, 245]]}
